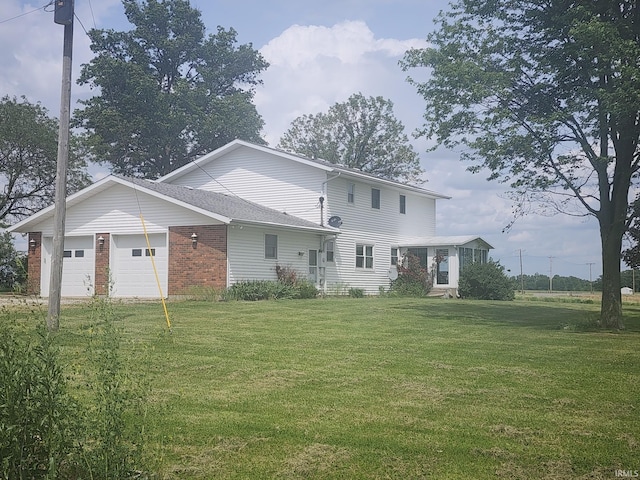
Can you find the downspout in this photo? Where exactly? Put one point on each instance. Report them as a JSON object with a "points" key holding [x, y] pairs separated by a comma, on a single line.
{"points": [[322, 197], [322, 269]]}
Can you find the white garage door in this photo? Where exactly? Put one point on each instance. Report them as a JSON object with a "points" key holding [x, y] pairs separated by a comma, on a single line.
{"points": [[132, 269], [78, 267]]}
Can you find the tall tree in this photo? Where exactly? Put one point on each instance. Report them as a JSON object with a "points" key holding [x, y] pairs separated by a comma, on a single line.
{"points": [[360, 133], [28, 159], [168, 92], [545, 94], [13, 265], [631, 255]]}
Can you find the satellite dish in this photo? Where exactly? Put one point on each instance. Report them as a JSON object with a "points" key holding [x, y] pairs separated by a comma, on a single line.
{"points": [[335, 221], [393, 273]]}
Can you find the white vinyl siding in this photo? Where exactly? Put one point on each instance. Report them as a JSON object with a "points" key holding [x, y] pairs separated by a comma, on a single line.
{"points": [[279, 183], [385, 229], [116, 210], [245, 251]]}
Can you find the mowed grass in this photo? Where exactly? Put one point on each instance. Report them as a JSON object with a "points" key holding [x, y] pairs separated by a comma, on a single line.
{"points": [[381, 388]]}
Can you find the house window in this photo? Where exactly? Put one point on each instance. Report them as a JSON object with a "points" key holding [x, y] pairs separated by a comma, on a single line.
{"points": [[394, 256], [329, 248], [466, 257], [79, 254], [149, 253], [270, 246], [421, 253], [364, 256], [480, 256], [403, 204], [66, 254], [375, 198], [136, 252], [351, 192]]}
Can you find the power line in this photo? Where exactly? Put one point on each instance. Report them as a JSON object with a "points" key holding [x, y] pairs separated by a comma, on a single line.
{"points": [[92, 15], [27, 13], [81, 24]]}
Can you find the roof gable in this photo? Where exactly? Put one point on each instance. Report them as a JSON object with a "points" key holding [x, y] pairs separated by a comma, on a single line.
{"points": [[218, 206], [312, 163]]}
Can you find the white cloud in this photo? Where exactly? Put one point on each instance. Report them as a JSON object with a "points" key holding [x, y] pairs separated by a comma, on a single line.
{"points": [[32, 63], [313, 67]]}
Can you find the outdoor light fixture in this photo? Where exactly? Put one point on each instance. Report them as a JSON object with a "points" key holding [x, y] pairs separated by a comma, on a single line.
{"points": [[194, 239], [101, 241], [32, 244]]}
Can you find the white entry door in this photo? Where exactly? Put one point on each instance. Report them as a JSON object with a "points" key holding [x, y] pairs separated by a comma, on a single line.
{"points": [[132, 269]]}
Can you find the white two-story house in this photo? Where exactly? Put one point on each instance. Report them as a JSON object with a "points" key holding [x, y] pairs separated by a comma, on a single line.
{"points": [[234, 215]]}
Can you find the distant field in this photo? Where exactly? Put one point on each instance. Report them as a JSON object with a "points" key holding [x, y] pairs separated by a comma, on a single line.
{"points": [[378, 388]]}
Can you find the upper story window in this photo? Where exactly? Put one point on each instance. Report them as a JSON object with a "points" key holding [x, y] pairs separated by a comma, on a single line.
{"points": [[403, 204], [351, 192], [375, 198], [270, 246]]}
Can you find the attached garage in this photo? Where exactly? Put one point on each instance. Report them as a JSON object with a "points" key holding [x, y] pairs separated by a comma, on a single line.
{"points": [[132, 269], [106, 251], [78, 266]]}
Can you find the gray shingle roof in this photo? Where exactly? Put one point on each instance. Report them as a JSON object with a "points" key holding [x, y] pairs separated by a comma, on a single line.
{"points": [[235, 208]]}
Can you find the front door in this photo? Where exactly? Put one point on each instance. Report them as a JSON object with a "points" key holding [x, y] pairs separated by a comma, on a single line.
{"points": [[313, 266], [442, 262]]}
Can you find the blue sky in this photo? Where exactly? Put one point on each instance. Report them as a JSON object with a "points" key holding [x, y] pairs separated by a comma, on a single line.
{"points": [[320, 53]]}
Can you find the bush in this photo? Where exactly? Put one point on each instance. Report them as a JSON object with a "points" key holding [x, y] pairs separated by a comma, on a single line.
{"points": [[44, 432], [253, 290], [356, 292], [485, 281], [286, 275], [116, 418], [305, 289], [413, 279], [38, 418], [289, 285]]}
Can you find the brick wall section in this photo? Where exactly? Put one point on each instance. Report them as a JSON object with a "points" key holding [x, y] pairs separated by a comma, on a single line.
{"points": [[34, 264], [102, 265], [203, 266]]}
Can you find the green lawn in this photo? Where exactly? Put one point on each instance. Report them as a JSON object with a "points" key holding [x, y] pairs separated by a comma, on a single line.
{"points": [[382, 388]]}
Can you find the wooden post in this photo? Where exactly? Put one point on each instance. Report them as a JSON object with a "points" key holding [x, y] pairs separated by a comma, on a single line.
{"points": [[55, 284]]}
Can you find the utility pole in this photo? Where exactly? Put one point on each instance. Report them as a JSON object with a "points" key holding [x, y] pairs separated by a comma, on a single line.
{"points": [[63, 15], [551, 274], [590, 282], [521, 275]]}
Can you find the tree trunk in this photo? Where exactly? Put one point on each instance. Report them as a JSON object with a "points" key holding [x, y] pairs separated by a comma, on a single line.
{"points": [[611, 307]]}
